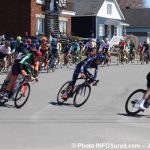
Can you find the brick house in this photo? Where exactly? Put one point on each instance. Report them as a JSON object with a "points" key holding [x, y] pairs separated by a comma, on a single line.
{"points": [[30, 16]]}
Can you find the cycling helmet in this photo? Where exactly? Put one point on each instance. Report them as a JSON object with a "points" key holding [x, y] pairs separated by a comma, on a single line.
{"points": [[37, 53], [101, 57], [19, 38]]}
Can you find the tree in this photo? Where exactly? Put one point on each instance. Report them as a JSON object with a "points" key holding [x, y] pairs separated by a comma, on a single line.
{"points": [[131, 3]]}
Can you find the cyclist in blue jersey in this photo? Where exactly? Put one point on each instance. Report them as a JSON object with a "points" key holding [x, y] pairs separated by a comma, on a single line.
{"points": [[82, 67]]}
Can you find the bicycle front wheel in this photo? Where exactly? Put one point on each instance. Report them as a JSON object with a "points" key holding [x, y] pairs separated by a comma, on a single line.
{"points": [[82, 94], [61, 92], [131, 101], [22, 95]]}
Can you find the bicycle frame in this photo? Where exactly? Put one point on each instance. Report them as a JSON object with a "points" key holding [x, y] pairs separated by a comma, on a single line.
{"points": [[88, 81]]}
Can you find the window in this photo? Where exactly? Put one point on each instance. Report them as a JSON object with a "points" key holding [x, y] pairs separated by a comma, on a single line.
{"points": [[119, 30], [63, 26], [115, 31], [40, 26], [109, 9], [101, 30], [40, 1]]}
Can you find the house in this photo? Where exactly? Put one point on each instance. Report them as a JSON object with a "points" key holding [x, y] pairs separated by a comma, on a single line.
{"points": [[33, 17], [139, 23], [98, 19], [21, 17]]}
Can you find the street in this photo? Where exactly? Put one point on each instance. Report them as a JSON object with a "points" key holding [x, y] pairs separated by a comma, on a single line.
{"points": [[42, 124]]}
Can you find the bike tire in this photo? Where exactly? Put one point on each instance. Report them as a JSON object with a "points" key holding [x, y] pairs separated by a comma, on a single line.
{"points": [[63, 87], [81, 88], [18, 96], [129, 112], [53, 68]]}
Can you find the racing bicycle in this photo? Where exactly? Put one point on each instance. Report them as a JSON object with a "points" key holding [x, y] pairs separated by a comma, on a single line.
{"points": [[80, 93], [133, 98], [20, 91]]}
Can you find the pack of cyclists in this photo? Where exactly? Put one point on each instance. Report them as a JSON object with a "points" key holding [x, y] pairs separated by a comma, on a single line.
{"points": [[21, 52]]}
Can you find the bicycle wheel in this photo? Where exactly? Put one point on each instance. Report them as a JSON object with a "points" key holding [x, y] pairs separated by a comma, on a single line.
{"points": [[131, 101], [61, 91], [22, 95], [81, 95], [53, 68]]}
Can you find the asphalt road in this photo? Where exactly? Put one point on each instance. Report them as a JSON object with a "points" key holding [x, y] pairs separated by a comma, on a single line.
{"points": [[100, 124]]}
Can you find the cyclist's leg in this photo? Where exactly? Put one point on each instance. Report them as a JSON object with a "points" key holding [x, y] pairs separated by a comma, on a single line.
{"points": [[72, 83], [13, 77]]}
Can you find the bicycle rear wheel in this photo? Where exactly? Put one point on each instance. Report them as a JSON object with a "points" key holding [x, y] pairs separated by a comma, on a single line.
{"points": [[81, 95], [131, 101], [22, 95], [50, 67], [61, 91]]}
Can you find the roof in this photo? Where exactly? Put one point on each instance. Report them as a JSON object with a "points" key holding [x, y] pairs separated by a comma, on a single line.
{"points": [[109, 21], [137, 17], [87, 7]]}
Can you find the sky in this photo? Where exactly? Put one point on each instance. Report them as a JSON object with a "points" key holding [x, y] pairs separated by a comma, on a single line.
{"points": [[147, 3]]}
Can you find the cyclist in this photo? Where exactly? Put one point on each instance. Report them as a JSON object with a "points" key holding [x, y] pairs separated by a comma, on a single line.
{"points": [[44, 49], [89, 48], [74, 51], [82, 67], [106, 50], [5, 52], [54, 47], [22, 67], [66, 48], [145, 47], [75, 48], [140, 50]]}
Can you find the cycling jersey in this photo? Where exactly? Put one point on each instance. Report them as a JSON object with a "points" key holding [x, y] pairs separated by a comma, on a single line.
{"points": [[83, 66], [24, 64], [74, 48], [5, 50]]}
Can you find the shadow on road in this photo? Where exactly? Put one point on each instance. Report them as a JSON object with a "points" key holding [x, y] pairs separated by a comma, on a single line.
{"points": [[8, 106], [135, 116], [64, 104]]}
